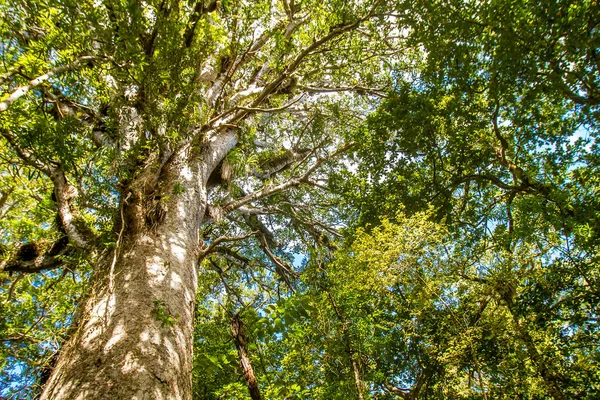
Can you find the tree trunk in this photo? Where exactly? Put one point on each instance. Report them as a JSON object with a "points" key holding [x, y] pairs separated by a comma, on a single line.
{"points": [[348, 343], [357, 379], [134, 337], [240, 339]]}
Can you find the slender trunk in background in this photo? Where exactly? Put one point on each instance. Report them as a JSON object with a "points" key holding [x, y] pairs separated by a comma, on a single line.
{"points": [[350, 353], [240, 339], [134, 337], [357, 380]]}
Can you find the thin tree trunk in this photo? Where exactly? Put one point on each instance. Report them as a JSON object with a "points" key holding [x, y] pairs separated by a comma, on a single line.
{"points": [[240, 339], [346, 335], [357, 379], [134, 337]]}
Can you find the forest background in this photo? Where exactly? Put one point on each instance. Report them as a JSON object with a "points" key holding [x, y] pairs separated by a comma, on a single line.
{"points": [[299, 199]]}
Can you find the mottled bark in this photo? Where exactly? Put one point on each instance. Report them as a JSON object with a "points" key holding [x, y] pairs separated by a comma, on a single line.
{"points": [[134, 337], [357, 378], [240, 339]]}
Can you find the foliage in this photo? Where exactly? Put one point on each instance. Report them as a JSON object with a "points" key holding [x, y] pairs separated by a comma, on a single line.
{"points": [[453, 252]]}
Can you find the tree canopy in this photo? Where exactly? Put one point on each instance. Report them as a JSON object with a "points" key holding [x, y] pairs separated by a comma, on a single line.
{"points": [[350, 199]]}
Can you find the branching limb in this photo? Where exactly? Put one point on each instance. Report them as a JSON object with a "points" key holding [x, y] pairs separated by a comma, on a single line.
{"points": [[63, 191], [9, 74], [283, 269], [401, 392], [199, 9], [489, 178], [517, 172], [293, 182], [21, 91], [256, 224], [23, 154], [222, 239], [228, 288], [42, 263], [231, 254], [64, 106]]}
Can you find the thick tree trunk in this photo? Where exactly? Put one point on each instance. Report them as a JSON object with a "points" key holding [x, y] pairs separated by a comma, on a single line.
{"points": [[134, 338]]}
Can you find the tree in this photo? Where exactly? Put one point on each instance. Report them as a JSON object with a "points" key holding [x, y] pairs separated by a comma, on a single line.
{"points": [[148, 120], [164, 154], [497, 132]]}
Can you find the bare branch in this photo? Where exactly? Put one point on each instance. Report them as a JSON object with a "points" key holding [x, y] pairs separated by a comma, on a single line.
{"points": [[270, 110], [283, 269], [485, 177], [230, 254], [221, 239], [270, 190], [357, 89]]}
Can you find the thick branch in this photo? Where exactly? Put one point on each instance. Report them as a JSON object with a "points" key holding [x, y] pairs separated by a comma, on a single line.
{"points": [[271, 110], [517, 172], [64, 194], [402, 392], [23, 154], [44, 263], [231, 254], [199, 10], [32, 263], [64, 106], [490, 178], [9, 74]]}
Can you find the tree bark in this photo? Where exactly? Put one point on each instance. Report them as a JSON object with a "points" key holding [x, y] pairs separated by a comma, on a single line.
{"points": [[134, 337], [357, 379], [240, 338]]}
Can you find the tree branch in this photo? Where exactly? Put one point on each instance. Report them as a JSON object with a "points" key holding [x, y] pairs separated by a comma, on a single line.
{"points": [[293, 182], [270, 110], [21, 91], [62, 190], [283, 269], [222, 239], [10, 73], [358, 89]]}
